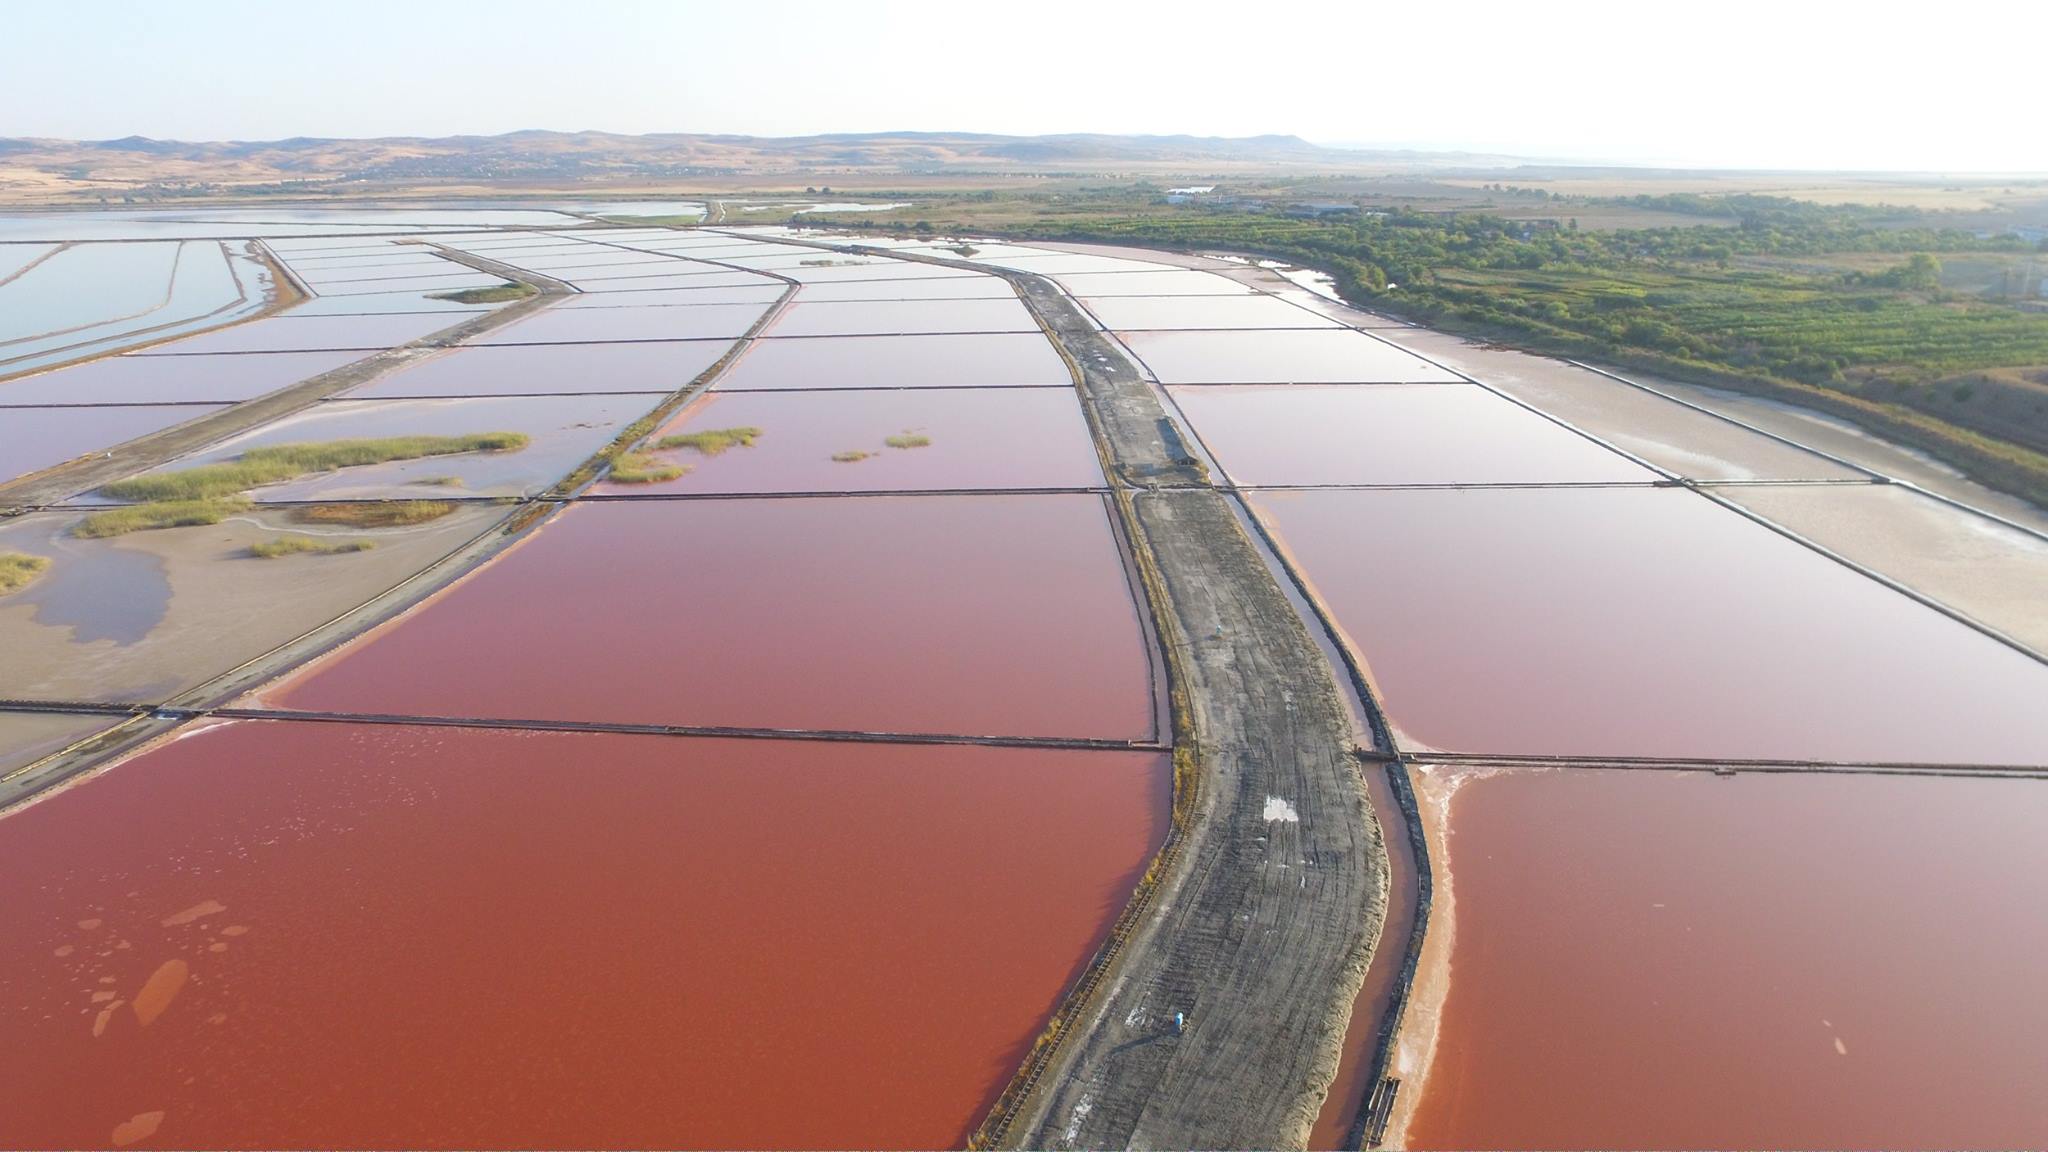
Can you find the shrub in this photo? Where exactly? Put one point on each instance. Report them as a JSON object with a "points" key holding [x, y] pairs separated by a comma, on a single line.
{"points": [[164, 514], [641, 468], [374, 513], [710, 442], [295, 545], [280, 462], [18, 570]]}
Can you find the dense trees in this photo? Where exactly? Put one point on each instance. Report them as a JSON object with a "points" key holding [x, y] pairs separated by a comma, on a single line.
{"points": [[1731, 295]]}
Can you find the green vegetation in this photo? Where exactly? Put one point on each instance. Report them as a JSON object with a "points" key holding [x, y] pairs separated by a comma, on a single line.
{"points": [[710, 442], [1838, 308], [281, 462], [164, 514], [908, 440], [495, 294], [641, 468], [297, 545], [19, 569], [374, 513], [851, 457]]}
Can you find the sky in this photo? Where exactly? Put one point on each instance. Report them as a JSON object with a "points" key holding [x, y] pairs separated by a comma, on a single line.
{"points": [[1791, 84]]}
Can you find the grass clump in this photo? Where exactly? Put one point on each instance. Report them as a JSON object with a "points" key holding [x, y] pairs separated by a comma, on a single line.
{"points": [[441, 481], [641, 468], [280, 462], [853, 457], [297, 545], [19, 569], [163, 514], [495, 294], [908, 440], [711, 441], [374, 513]]}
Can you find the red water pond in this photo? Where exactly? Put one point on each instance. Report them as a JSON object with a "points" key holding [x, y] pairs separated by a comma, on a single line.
{"points": [[996, 615], [976, 438], [318, 935], [1645, 622], [1665, 960]]}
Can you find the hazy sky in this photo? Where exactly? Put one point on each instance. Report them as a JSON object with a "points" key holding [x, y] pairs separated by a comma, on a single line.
{"points": [[1953, 86]]}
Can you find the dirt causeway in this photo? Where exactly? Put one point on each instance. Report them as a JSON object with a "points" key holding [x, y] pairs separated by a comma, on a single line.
{"points": [[1268, 903]]}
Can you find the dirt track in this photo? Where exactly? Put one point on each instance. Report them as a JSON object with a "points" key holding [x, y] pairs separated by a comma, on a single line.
{"points": [[1262, 925]]}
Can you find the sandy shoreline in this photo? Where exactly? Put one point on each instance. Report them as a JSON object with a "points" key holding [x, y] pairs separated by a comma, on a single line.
{"points": [[1435, 788]]}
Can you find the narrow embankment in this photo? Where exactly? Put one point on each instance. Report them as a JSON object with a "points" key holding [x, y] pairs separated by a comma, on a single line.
{"points": [[1217, 1015]]}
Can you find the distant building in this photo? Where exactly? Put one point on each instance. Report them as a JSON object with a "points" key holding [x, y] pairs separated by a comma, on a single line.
{"points": [[1190, 194]]}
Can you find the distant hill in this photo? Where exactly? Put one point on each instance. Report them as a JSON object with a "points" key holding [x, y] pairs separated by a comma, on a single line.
{"points": [[71, 169]]}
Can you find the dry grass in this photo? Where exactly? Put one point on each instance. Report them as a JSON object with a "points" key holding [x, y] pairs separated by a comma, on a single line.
{"points": [[640, 468], [280, 462], [18, 570], [306, 545], [909, 440], [374, 513], [163, 514], [853, 457], [711, 441]]}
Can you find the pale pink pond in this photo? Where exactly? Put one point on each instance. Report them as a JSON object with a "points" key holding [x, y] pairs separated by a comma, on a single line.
{"points": [[1318, 356], [855, 318], [539, 369], [1415, 434], [1634, 622], [717, 278], [948, 288], [1177, 282], [293, 333], [1142, 313], [170, 379], [762, 292], [951, 361], [978, 438], [593, 325], [32, 439]]}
